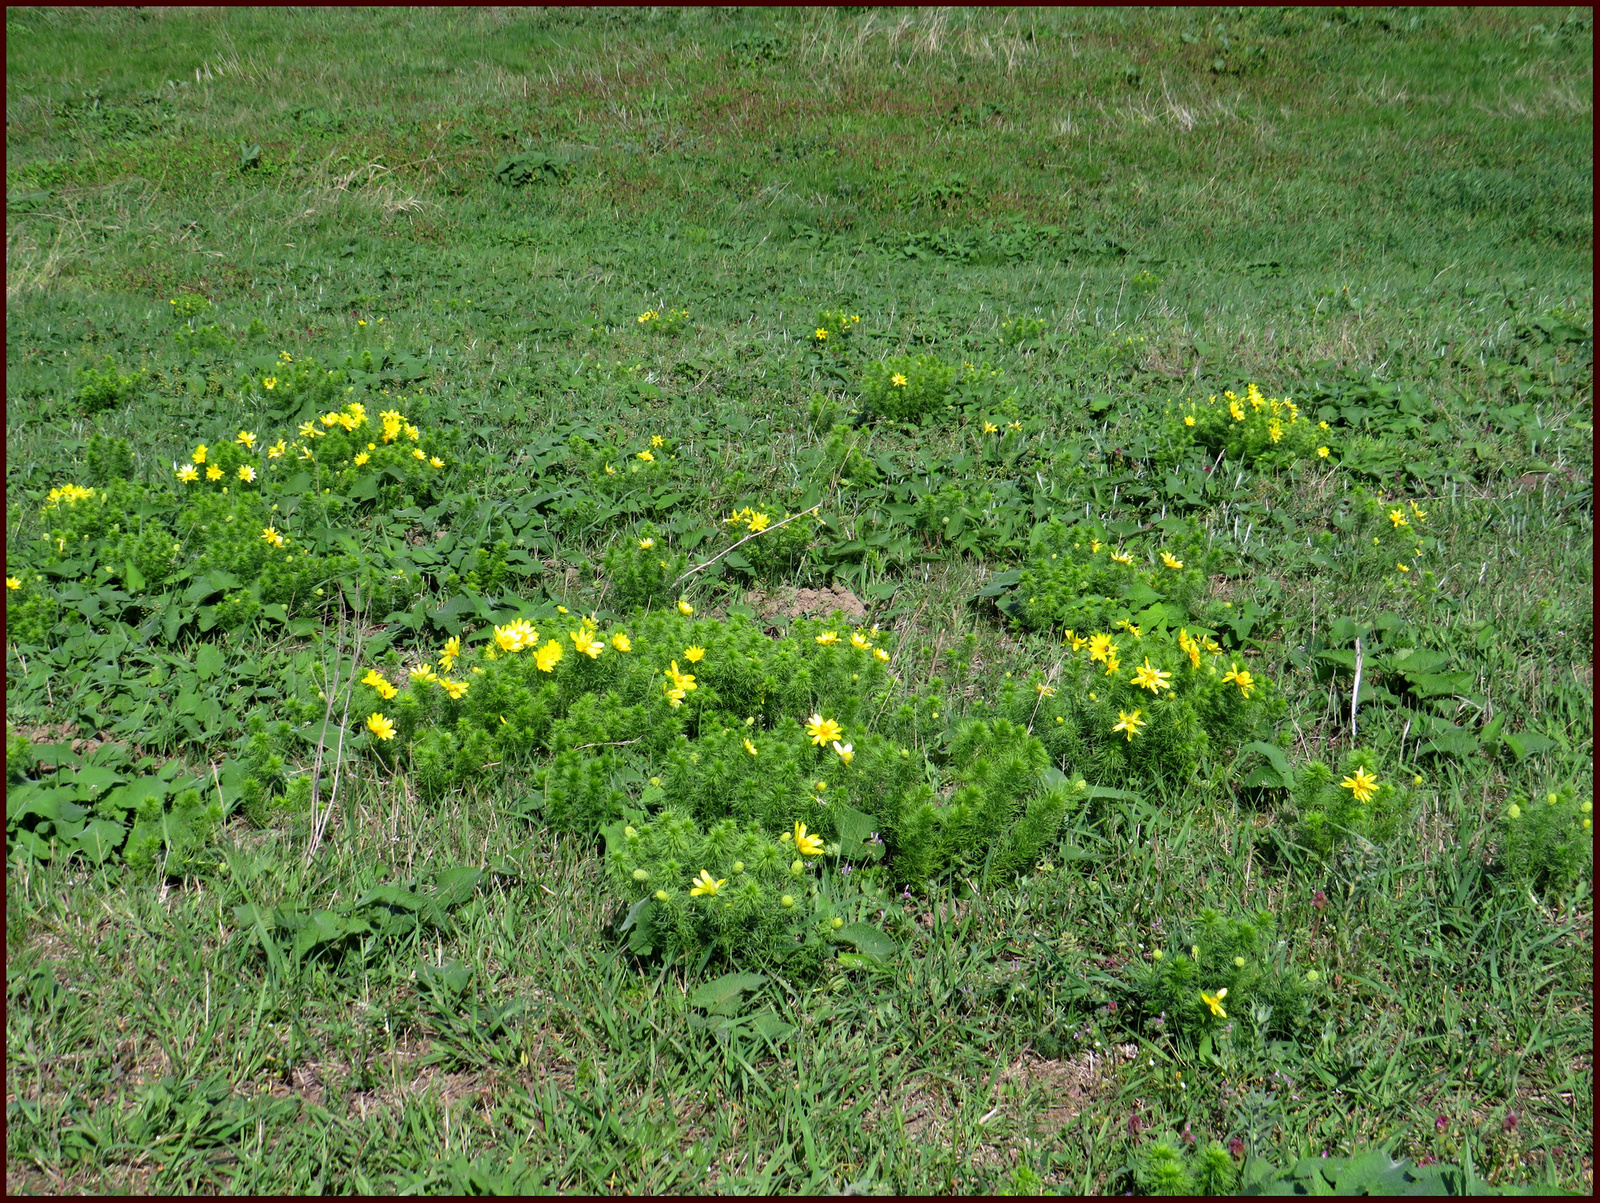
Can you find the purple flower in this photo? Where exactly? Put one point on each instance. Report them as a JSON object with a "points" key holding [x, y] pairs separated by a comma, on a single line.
{"points": [[1188, 1136], [1319, 900], [1510, 1121], [1236, 1147], [1440, 1124]]}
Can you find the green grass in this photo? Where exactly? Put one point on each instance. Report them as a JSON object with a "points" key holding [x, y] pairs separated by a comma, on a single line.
{"points": [[1383, 213]]}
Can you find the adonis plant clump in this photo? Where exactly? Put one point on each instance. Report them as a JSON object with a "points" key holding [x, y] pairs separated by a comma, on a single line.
{"points": [[730, 727], [1254, 427], [1079, 576], [1220, 975], [1359, 800], [249, 503], [1131, 703]]}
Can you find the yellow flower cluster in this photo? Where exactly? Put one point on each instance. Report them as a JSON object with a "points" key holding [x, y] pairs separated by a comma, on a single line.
{"points": [[680, 686], [68, 493], [755, 520], [859, 639]]}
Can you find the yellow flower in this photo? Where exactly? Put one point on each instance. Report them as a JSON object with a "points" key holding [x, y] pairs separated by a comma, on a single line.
{"points": [[308, 430], [759, 522], [1045, 691], [1361, 784], [385, 690], [1095, 545], [1403, 567], [276, 450], [454, 688], [1398, 517], [199, 455], [1112, 663], [515, 636], [362, 458], [435, 461], [806, 845], [897, 380], [269, 382], [271, 535], [1190, 648], [246, 439], [846, 752], [1188, 420], [821, 730], [213, 472], [188, 474], [13, 583], [380, 726], [1130, 628], [621, 642], [246, 473], [860, 642], [1078, 641], [657, 441], [1150, 678], [881, 655], [1322, 453], [1211, 645], [452, 651], [1275, 431], [685, 608], [423, 672], [820, 334], [1121, 557], [647, 456], [707, 885], [548, 656], [828, 638], [990, 428], [1241, 678], [1016, 426], [1101, 646], [750, 747], [646, 544], [416, 453], [1214, 1001], [1170, 562], [1236, 411], [694, 654], [586, 643], [1129, 723]]}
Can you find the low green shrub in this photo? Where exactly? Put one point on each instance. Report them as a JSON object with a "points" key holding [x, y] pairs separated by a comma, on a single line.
{"points": [[1223, 973], [1332, 808], [1080, 576], [1547, 842], [1254, 428], [906, 388]]}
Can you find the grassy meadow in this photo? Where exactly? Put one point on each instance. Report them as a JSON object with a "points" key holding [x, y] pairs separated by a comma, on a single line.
{"points": [[799, 601]]}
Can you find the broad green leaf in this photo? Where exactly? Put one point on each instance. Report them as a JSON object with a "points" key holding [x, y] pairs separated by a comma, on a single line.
{"points": [[716, 995], [872, 941], [101, 837]]}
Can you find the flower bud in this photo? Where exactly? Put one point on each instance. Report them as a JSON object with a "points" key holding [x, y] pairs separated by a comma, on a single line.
{"points": [[1238, 962], [837, 923], [1312, 975], [1515, 812], [661, 895], [738, 866], [797, 868], [631, 832], [1157, 955], [786, 901], [641, 875]]}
